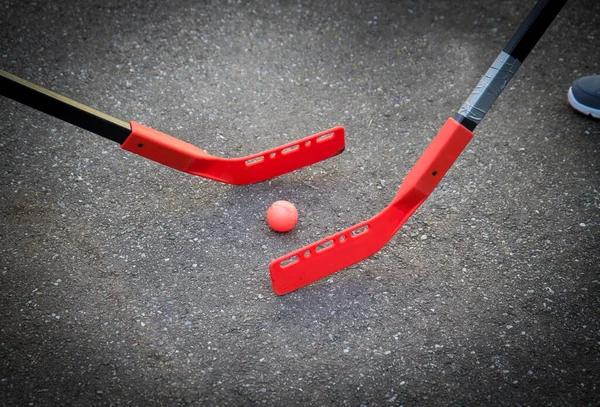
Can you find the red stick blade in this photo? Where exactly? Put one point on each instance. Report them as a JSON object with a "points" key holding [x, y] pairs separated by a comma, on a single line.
{"points": [[280, 160], [318, 260], [188, 158], [325, 257]]}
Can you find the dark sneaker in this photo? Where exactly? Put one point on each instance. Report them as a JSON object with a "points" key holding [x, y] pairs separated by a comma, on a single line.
{"points": [[584, 95]]}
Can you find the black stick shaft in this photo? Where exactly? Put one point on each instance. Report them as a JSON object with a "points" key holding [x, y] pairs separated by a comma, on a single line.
{"points": [[508, 62], [63, 108], [532, 29]]}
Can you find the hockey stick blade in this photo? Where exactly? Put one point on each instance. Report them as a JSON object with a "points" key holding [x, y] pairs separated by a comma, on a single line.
{"points": [[182, 156], [336, 252]]}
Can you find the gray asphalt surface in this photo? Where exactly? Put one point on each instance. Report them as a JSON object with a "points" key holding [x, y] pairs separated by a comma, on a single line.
{"points": [[124, 282]]}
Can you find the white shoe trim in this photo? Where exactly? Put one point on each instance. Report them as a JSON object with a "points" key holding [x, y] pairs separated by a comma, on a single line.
{"points": [[581, 107]]}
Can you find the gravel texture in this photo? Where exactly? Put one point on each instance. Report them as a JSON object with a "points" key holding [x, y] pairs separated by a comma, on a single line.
{"points": [[123, 282]]}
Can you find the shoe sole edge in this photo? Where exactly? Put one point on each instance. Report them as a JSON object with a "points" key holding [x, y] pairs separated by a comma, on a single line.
{"points": [[581, 108]]}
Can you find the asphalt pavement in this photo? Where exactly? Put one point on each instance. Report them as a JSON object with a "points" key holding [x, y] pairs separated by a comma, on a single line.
{"points": [[125, 282]]}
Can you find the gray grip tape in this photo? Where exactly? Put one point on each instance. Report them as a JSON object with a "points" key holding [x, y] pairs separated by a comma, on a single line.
{"points": [[489, 87]]}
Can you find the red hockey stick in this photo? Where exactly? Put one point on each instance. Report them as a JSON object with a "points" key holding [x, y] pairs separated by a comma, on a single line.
{"points": [[171, 151], [325, 257]]}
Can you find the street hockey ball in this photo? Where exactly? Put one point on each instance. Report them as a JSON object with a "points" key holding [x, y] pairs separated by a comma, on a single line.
{"points": [[282, 216]]}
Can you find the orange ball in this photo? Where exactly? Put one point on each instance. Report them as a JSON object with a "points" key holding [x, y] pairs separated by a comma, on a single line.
{"points": [[282, 216]]}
